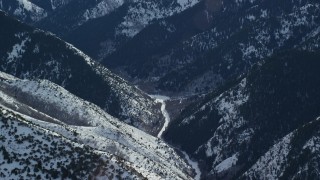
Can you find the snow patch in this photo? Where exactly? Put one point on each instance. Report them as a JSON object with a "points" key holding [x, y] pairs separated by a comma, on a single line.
{"points": [[144, 12], [194, 165], [187, 3], [101, 9], [17, 50], [36, 13], [227, 163]]}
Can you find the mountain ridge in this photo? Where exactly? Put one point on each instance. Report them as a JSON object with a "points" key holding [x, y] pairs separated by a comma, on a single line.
{"points": [[37, 54], [86, 124], [241, 123]]}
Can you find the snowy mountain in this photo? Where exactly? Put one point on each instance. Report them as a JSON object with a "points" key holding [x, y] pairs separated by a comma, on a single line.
{"points": [[100, 27], [31, 11], [24, 10], [84, 128], [296, 156], [50, 5], [75, 13], [236, 126], [183, 47], [30, 53], [33, 152], [202, 48], [242, 75]]}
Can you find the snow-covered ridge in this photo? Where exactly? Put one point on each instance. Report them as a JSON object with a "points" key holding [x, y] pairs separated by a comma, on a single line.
{"points": [[148, 155], [23, 9], [101, 9], [228, 105], [271, 162], [132, 103], [275, 162], [269, 34], [5, 76], [37, 13], [143, 12], [30, 46], [221, 146], [44, 152], [30, 12]]}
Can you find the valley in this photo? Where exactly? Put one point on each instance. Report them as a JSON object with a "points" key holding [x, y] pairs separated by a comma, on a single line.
{"points": [[148, 89], [162, 100]]}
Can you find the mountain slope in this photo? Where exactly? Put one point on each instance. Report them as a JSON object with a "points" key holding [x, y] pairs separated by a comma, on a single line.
{"points": [[296, 156], [237, 124], [34, 152], [185, 47], [31, 53], [75, 13], [180, 55], [31, 11], [24, 10], [100, 27], [84, 123], [50, 5]]}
